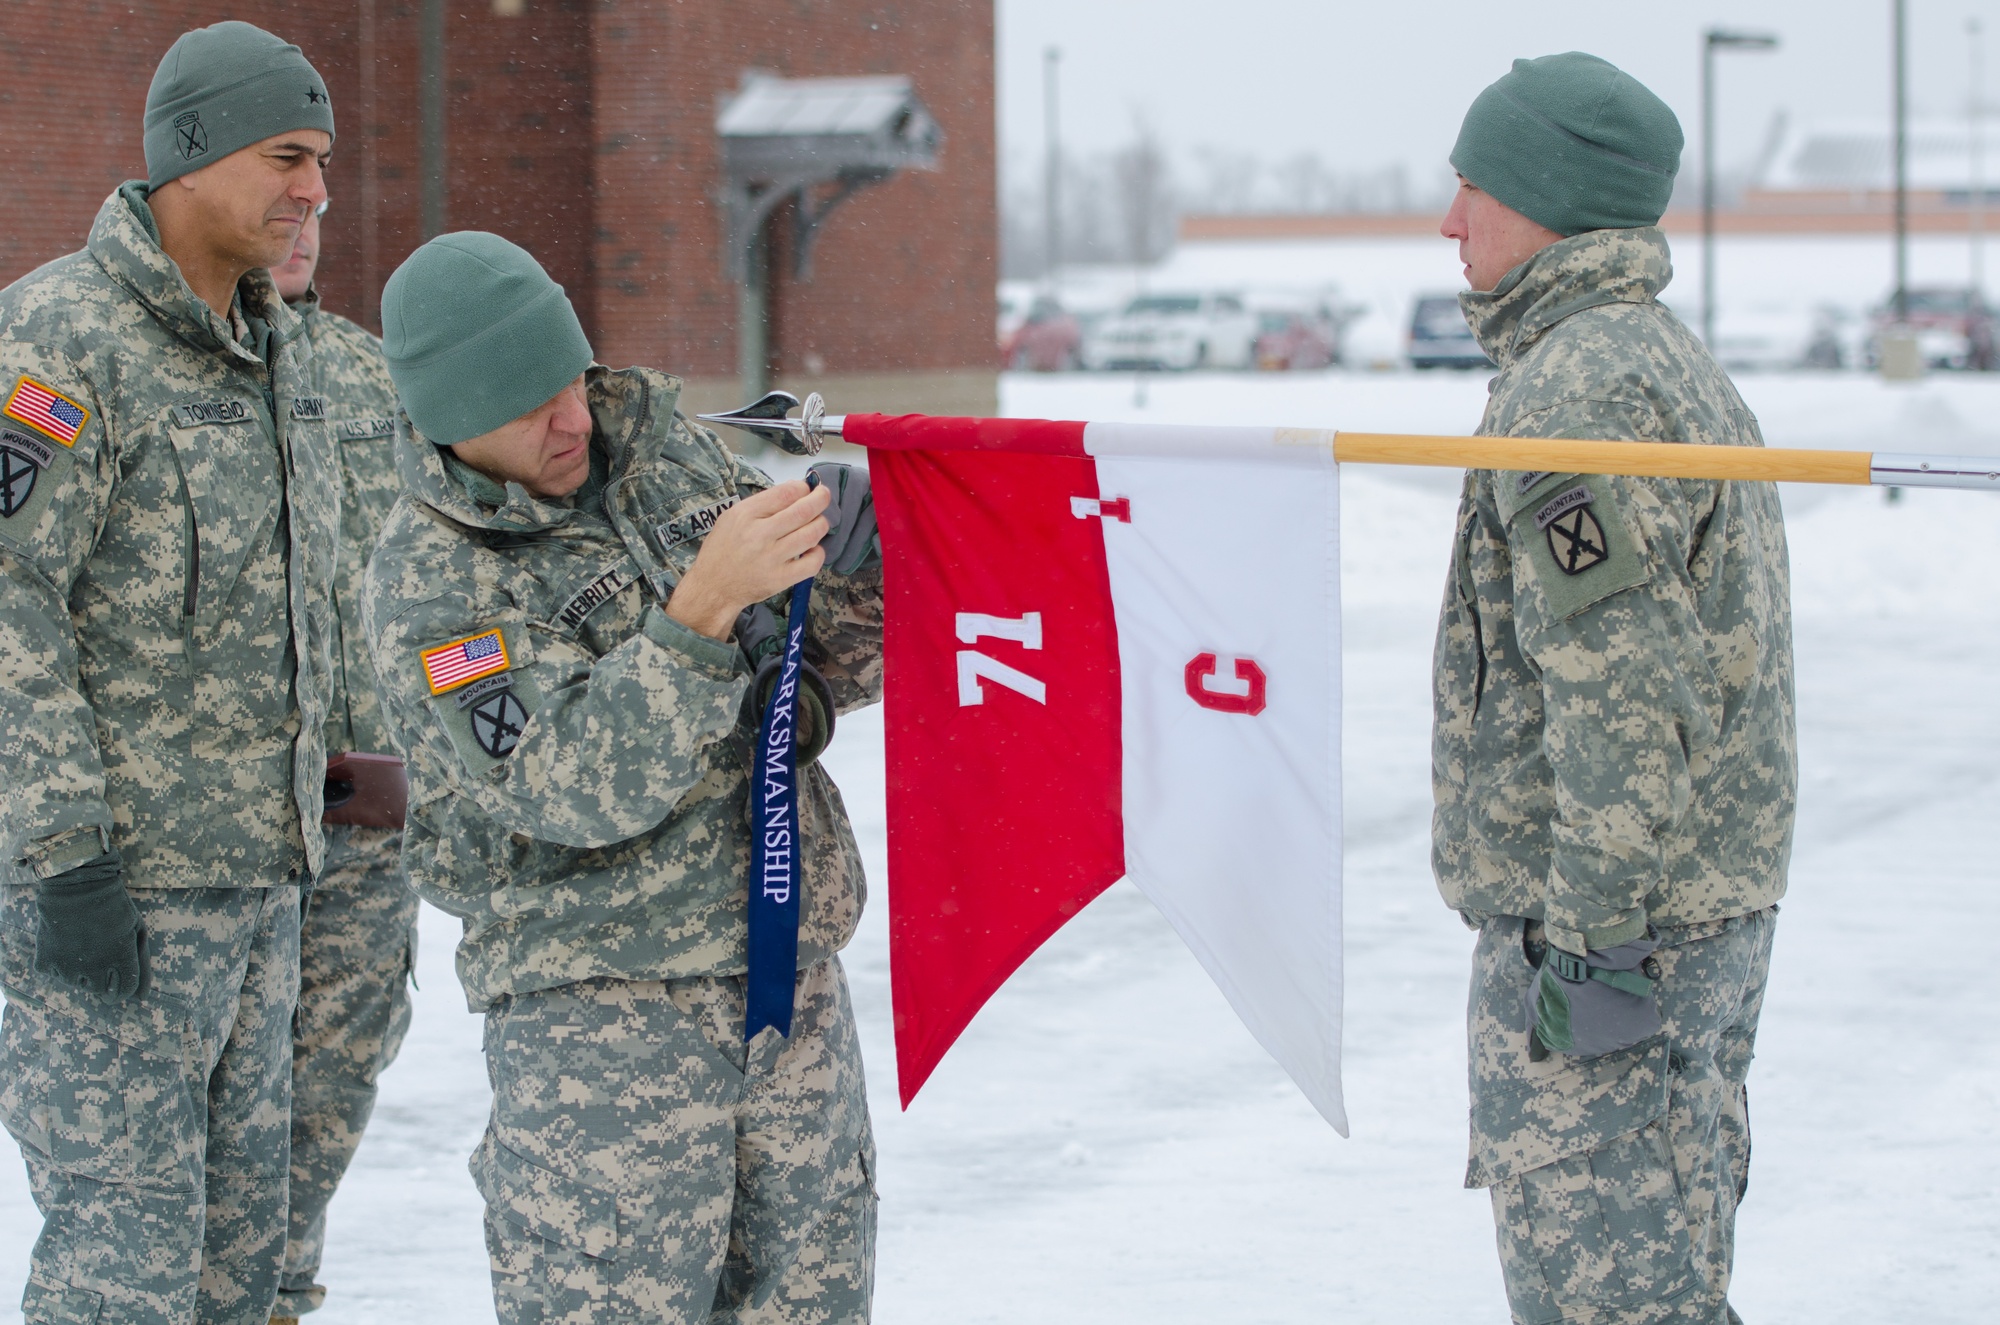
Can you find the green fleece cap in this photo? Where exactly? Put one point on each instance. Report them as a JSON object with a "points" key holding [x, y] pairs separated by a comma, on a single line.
{"points": [[476, 335], [219, 89], [1574, 143]]}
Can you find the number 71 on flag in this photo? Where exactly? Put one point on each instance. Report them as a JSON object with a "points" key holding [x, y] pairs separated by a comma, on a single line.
{"points": [[974, 666]]}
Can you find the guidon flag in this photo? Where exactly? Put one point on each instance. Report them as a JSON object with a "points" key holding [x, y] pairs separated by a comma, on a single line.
{"points": [[1112, 652]]}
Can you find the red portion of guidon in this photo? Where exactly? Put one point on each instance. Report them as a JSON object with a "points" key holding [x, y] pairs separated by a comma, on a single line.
{"points": [[1004, 749], [924, 432]]}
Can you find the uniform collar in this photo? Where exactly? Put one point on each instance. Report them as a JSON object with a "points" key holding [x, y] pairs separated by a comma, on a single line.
{"points": [[125, 242], [631, 409], [1588, 270]]}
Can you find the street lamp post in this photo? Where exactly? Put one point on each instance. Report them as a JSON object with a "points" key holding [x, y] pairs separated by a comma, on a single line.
{"points": [[1901, 115], [1052, 168], [1978, 192], [1898, 353], [1712, 40]]}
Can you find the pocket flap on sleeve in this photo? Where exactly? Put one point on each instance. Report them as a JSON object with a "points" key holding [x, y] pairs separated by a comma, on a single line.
{"points": [[1522, 1126], [1576, 537], [560, 1209]]}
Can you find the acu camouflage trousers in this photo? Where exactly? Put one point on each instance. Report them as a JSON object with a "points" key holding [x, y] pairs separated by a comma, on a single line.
{"points": [[644, 1165], [357, 950], [1615, 1180], [156, 1129]]}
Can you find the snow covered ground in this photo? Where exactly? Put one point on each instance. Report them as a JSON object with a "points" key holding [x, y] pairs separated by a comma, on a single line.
{"points": [[1106, 1144]]}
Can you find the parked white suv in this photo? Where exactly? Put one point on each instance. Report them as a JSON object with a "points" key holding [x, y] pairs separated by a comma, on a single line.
{"points": [[1175, 332]]}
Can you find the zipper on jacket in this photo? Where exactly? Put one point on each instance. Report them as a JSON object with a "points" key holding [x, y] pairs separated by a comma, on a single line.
{"points": [[621, 457], [190, 562]]}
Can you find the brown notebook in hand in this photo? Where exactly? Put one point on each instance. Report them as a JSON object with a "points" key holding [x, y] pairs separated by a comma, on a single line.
{"points": [[368, 791]]}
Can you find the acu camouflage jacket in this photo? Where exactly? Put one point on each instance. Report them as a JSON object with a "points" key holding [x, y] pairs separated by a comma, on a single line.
{"points": [[361, 409], [167, 543], [1613, 738], [579, 761]]}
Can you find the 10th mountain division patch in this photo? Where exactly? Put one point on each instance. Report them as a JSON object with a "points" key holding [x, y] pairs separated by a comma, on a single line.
{"points": [[1576, 539], [17, 481], [497, 722]]}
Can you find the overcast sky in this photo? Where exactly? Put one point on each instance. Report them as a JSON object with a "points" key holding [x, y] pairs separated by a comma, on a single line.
{"points": [[1372, 83]]}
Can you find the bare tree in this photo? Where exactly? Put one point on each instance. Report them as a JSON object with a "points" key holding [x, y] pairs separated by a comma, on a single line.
{"points": [[1124, 206], [1145, 198]]}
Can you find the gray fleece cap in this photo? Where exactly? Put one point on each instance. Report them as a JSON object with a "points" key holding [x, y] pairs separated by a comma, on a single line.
{"points": [[219, 89], [476, 335], [1573, 143]]}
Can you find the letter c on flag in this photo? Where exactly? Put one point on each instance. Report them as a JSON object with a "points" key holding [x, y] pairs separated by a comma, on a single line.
{"points": [[1202, 666]]}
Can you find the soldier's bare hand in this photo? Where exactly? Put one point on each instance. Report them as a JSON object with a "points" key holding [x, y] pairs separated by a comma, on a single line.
{"points": [[763, 545]]}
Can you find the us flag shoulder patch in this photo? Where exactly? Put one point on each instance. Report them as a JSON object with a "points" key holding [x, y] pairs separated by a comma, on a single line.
{"points": [[46, 410], [449, 666]]}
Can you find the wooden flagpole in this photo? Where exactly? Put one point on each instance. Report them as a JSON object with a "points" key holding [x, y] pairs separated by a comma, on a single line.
{"points": [[1670, 460], [1643, 459], [769, 418]]}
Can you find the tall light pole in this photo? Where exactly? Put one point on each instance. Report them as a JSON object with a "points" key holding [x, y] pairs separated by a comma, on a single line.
{"points": [[1902, 156], [1712, 40], [1052, 167], [1978, 219]]}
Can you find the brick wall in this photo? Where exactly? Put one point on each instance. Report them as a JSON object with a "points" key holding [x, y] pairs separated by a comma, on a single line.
{"points": [[583, 130], [904, 272], [72, 106]]}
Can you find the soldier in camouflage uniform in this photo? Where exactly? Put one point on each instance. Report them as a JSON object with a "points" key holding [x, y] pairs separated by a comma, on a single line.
{"points": [[553, 641], [167, 543], [357, 939], [1614, 755]]}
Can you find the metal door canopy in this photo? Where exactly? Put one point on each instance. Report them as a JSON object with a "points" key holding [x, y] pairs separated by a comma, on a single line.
{"points": [[782, 136]]}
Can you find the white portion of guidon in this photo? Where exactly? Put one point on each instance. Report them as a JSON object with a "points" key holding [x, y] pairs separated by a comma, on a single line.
{"points": [[1232, 799]]}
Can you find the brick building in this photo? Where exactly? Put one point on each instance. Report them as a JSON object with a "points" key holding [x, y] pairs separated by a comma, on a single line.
{"points": [[585, 131]]}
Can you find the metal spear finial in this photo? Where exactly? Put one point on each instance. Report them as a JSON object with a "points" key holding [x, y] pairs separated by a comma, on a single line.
{"points": [[768, 419]]}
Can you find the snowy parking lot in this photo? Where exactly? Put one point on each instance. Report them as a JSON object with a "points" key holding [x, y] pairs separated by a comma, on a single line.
{"points": [[1107, 1144]]}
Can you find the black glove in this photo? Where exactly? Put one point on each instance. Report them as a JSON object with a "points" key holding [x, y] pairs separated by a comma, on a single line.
{"points": [[853, 543], [87, 930], [760, 630], [1594, 1004]]}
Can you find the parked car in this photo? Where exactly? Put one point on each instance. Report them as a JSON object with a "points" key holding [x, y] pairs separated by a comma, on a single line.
{"points": [[1009, 312], [1439, 337], [1775, 339], [1175, 332], [1293, 338], [1049, 341], [1954, 327]]}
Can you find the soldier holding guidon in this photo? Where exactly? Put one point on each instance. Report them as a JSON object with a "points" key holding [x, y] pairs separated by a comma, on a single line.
{"points": [[1614, 757], [168, 526], [559, 609], [357, 938]]}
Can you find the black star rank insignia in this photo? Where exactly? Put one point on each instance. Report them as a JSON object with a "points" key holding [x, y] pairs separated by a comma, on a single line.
{"points": [[17, 481], [497, 721]]}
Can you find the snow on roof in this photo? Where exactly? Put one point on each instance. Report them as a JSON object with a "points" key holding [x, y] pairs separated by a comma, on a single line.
{"points": [[1856, 155], [768, 106]]}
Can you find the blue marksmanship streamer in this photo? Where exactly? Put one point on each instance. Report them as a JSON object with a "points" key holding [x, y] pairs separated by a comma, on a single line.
{"points": [[775, 844]]}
